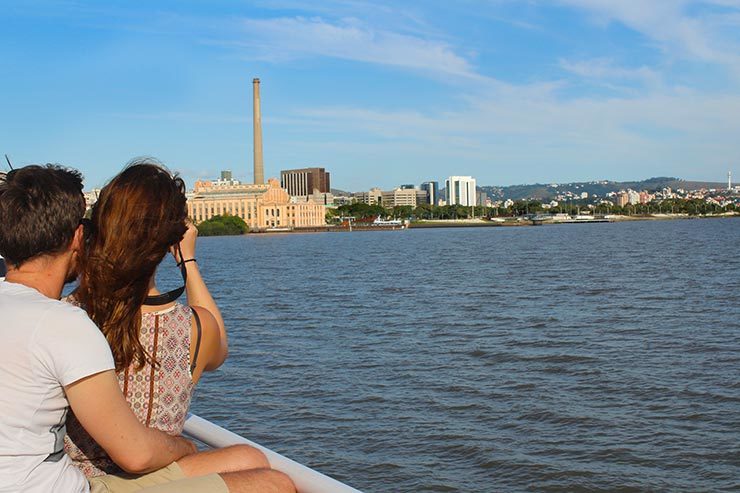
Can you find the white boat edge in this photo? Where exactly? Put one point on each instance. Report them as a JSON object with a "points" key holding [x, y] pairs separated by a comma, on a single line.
{"points": [[306, 479]]}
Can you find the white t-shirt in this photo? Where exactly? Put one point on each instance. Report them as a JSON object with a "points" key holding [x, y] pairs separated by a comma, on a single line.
{"points": [[45, 344]]}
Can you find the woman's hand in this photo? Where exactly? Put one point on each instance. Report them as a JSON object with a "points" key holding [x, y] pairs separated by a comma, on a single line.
{"points": [[187, 244]]}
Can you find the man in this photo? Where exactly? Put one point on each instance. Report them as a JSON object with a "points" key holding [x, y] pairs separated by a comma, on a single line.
{"points": [[53, 357]]}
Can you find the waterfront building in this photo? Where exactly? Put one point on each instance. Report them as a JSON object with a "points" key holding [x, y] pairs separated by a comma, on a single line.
{"points": [[633, 197], [422, 198], [225, 180], [622, 199], [305, 181], [261, 206], [399, 197], [371, 197], [391, 198], [432, 190], [481, 198], [338, 200], [315, 198], [460, 190]]}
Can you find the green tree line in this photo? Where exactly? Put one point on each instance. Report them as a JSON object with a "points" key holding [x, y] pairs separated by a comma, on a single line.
{"points": [[223, 226], [524, 207]]}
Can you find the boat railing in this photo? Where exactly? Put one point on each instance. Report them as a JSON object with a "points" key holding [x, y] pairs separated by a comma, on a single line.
{"points": [[305, 479]]}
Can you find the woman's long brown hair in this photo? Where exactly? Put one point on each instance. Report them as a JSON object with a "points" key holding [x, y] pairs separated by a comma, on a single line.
{"points": [[139, 215]]}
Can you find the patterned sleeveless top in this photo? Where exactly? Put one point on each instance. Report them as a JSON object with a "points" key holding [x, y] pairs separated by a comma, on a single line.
{"points": [[159, 396]]}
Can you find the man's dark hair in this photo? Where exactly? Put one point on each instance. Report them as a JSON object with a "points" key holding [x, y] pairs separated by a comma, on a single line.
{"points": [[40, 209]]}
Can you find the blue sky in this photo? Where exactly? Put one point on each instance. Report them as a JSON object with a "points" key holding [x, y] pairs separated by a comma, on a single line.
{"points": [[379, 93]]}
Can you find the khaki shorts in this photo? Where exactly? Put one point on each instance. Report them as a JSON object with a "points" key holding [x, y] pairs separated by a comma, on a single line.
{"points": [[169, 479]]}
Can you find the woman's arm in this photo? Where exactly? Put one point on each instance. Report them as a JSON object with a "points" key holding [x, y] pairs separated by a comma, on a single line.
{"points": [[104, 413], [199, 296]]}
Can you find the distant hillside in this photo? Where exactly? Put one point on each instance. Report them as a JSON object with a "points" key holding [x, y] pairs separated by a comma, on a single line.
{"points": [[541, 191]]}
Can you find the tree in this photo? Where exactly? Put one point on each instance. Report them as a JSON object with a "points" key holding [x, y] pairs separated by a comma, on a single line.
{"points": [[424, 211], [360, 210], [332, 215], [223, 226], [402, 211]]}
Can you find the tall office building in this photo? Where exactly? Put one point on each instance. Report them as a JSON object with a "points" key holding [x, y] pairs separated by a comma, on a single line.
{"points": [[305, 181], [460, 190], [432, 190], [422, 197]]}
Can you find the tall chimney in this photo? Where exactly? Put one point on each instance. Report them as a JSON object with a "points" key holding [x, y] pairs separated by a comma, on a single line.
{"points": [[259, 167]]}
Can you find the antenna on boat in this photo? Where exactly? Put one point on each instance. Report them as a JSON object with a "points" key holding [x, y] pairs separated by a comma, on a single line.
{"points": [[8, 160]]}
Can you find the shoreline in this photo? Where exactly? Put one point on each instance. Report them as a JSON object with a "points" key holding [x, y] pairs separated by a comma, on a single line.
{"points": [[514, 222], [481, 223]]}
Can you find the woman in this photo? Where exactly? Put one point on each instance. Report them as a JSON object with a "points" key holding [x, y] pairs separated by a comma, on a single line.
{"points": [[160, 347]]}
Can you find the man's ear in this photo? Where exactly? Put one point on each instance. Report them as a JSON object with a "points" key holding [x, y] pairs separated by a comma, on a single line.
{"points": [[78, 240]]}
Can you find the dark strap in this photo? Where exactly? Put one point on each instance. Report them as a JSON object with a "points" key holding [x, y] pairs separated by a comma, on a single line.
{"points": [[170, 296], [197, 339]]}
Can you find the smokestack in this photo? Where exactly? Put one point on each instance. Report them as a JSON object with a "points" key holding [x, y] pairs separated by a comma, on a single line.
{"points": [[259, 167]]}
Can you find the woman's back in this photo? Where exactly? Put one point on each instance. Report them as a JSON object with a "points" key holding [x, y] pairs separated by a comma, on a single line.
{"points": [[158, 394]]}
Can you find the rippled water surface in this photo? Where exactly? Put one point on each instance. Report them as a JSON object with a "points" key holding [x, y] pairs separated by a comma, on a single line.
{"points": [[600, 357]]}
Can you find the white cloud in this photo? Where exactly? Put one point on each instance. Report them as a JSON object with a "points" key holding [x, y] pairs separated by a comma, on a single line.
{"points": [[350, 39], [605, 69], [667, 23]]}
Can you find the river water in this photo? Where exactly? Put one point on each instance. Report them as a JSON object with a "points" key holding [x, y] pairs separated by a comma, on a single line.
{"points": [[598, 357]]}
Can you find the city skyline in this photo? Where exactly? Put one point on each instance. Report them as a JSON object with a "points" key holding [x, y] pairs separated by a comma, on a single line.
{"points": [[508, 92]]}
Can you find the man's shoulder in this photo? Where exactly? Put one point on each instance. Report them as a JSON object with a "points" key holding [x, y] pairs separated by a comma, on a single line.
{"points": [[23, 296], [35, 308], [71, 343], [24, 302], [66, 315]]}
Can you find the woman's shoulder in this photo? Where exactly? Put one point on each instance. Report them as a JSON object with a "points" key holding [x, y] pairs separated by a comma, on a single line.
{"points": [[175, 309]]}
